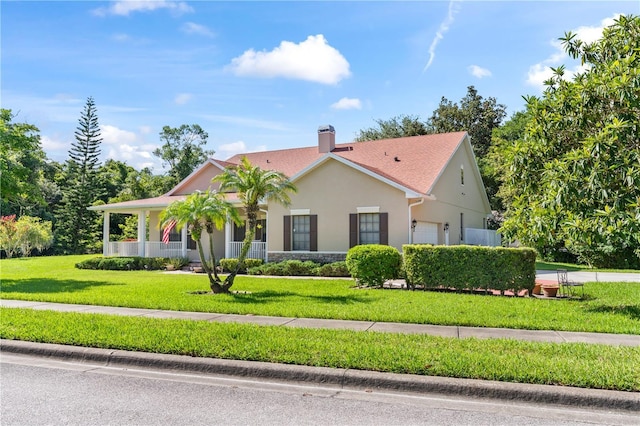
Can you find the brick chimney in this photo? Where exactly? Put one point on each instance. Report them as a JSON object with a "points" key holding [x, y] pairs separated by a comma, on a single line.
{"points": [[326, 138]]}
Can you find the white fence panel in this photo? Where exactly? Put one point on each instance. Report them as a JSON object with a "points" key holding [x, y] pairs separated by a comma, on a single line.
{"points": [[123, 248], [482, 237], [160, 249]]}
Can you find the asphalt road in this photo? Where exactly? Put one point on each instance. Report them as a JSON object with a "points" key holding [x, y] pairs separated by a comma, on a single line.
{"points": [[42, 391]]}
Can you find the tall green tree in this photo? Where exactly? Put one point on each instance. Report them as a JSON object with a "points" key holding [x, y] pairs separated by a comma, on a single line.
{"points": [[202, 211], [396, 127], [253, 186], [183, 149], [77, 228], [21, 161], [575, 176], [474, 114]]}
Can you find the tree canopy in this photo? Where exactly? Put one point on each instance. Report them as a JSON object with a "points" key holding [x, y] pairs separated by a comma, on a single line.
{"points": [[182, 150], [395, 127], [574, 177]]}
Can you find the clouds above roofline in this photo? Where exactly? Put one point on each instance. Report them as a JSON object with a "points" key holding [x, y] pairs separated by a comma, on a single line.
{"points": [[541, 72], [311, 60], [125, 8], [479, 72]]}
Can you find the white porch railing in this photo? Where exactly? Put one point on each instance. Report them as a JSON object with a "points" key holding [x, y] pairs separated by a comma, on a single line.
{"points": [[160, 249], [151, 249], [482, 237], [257, 251], [122, 248]]}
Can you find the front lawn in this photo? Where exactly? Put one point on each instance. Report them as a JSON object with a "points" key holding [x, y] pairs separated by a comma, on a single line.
{"points": [[568, 364], [609, 307]]}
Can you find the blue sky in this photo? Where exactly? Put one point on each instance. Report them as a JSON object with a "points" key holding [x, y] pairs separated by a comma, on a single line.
{"points": [[265, 75]]}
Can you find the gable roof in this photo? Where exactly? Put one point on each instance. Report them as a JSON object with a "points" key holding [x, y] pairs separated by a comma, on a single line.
{"points": [[414, 163]]}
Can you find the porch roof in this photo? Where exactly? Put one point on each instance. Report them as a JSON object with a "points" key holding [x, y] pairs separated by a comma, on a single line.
{"points": [[156, 203]]}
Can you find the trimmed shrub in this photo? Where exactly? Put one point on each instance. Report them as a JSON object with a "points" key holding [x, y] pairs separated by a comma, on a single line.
{"points": [[287, 268], [335, 269], [470, 267], [230, 264], [373, 264], [123, 263]]}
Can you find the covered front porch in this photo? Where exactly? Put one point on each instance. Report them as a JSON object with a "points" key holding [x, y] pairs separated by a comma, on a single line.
{"points": [[227, 243]]}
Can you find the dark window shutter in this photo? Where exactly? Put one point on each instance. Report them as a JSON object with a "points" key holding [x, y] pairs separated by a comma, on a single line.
{"points": [[353, 230], [384, 228], [287, 233], [313, 232]]}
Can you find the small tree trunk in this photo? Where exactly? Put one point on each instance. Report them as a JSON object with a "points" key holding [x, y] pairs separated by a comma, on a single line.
{"points": [[214, 283], [252, 221]]}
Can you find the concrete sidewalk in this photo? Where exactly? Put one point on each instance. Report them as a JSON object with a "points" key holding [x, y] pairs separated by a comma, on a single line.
{"points": [[586, 276], [385, 327]]}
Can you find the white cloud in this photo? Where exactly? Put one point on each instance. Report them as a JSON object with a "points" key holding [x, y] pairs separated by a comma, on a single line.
{"points": [[111, 135], [193, 28], [125, 7], [121, 37], [444, 27], [311, 60], [183, 98], [228, 150], [129, 147], [145, 130], [540, 72], [49, 144], [347, 103], [478, 71]]}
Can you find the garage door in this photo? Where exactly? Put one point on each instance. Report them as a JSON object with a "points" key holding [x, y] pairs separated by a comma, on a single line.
{"points": [[426, 233]]}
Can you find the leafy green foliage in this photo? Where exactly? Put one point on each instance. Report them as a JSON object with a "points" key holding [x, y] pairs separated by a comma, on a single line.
{"points": [[182, 150], [395, 127], [24, 235], [573, 179], [334, 269], [21, 164], [470, 267], [373, 264], [229, 265], [123, 263]]}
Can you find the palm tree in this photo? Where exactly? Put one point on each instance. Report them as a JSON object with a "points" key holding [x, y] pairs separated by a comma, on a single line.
{"points": [[253, 186], [202, 211]]}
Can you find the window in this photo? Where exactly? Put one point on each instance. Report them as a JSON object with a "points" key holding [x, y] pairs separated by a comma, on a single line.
{"points": [[461, 175], [261, 231], [461, 226], [301, 232], [369, 228], [176, 237]]}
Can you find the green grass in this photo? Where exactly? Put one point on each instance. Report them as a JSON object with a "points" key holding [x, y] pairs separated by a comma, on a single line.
{"points": [[609, 307], [569, 364]]}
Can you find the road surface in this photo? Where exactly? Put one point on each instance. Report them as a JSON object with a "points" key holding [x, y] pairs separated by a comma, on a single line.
{"points": [[38, 391]]}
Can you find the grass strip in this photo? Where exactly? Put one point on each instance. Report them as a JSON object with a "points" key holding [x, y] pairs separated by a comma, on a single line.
{"points": [[607, 308], [567, 364]]}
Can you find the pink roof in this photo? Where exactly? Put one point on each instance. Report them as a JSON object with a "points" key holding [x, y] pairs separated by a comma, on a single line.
{"points": [[413, 162]]}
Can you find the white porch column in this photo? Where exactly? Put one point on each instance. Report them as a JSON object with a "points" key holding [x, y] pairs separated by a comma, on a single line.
{"points": [[227, 238], [183, 239], [105, 234], [142, 232], [264, 231]]}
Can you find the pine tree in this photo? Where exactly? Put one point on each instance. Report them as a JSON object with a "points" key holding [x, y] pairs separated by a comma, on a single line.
{"points": [[77, 227]]}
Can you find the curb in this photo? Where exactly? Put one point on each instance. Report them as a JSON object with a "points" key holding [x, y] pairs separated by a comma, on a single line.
{"points": [[352, 379]]}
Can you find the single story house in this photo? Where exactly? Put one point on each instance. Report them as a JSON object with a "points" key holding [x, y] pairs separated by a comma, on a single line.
{"points": [[421, 189]]}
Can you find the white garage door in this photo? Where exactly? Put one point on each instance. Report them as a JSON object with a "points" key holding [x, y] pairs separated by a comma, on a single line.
{"points": [[426, 233]]}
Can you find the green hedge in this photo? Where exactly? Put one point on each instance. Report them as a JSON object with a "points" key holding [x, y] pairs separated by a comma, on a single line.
{"points": [[124, 263], [373, 264], [470, 267], [299, 268], [230, 264]]}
